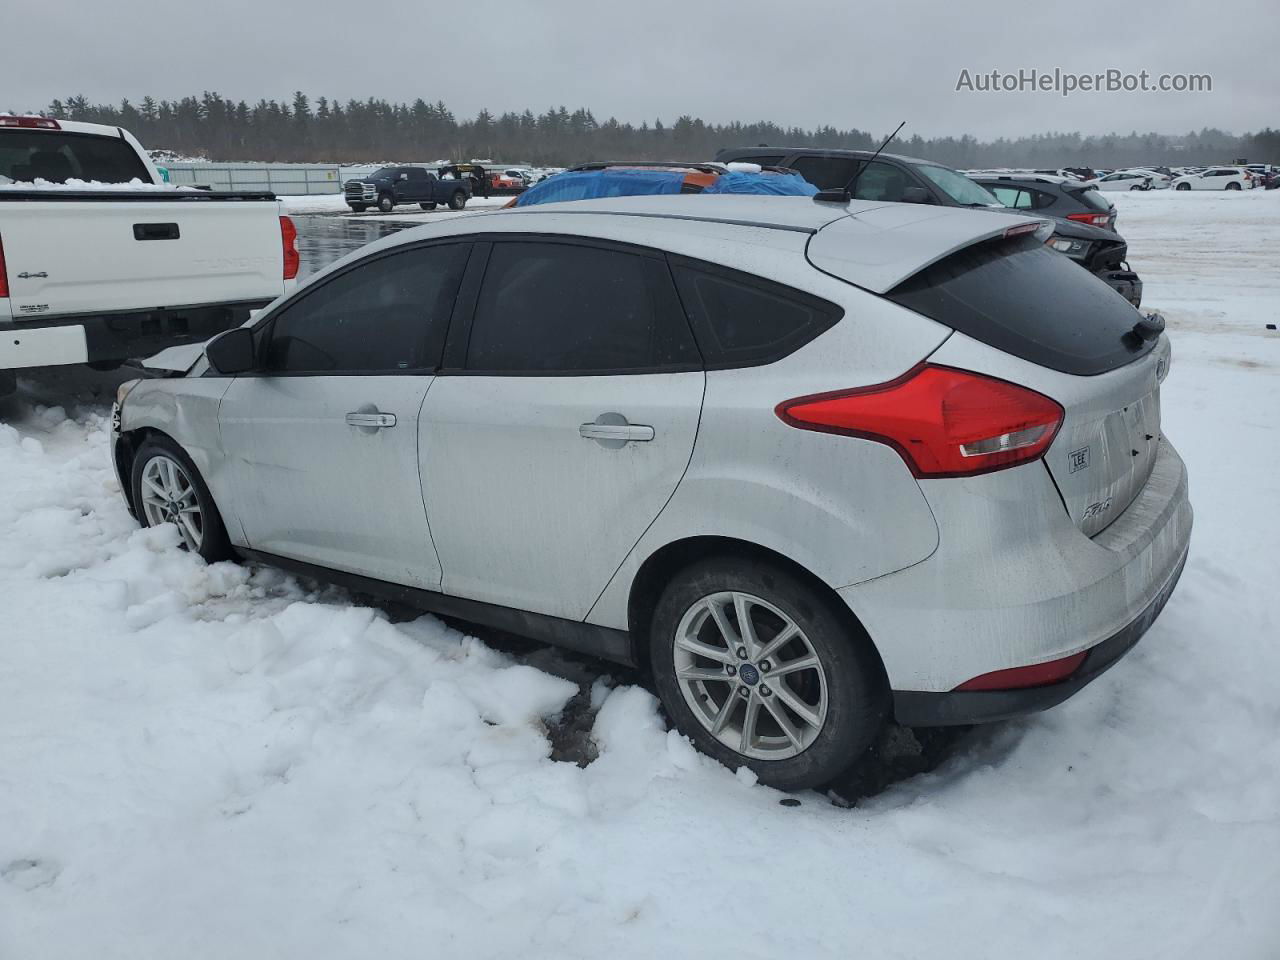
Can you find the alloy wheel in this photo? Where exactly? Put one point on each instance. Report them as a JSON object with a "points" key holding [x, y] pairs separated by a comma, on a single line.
{"points": [[750, 675], [169, 496]]}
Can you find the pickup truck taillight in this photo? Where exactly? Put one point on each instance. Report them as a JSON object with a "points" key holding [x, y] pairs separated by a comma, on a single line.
{"points": [[288, 240], [4, 276]]}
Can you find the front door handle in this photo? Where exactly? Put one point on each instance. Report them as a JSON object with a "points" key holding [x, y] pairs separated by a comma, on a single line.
{"points": [[613, 430], [375, 421]]}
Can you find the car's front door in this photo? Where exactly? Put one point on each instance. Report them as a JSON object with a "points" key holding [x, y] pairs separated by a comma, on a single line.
{"points": [[564, 425], [322, 441]]}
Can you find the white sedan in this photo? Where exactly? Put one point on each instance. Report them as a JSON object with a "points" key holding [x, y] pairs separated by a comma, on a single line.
{"points": [[1127, 180], [1216, 178]]}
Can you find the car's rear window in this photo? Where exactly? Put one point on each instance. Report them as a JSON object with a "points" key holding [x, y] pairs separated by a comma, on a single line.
{"points": [[1025, 299], [58, 156], [1093, 198]]}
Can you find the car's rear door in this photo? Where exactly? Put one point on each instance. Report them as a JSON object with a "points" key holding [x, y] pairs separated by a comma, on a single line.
{"points": [[322, 442], [561, 424]]}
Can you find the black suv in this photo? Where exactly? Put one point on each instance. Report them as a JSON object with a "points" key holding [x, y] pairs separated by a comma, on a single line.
{"points": [[393, 185], [889, 177], [1084, 223], [894, 178]]}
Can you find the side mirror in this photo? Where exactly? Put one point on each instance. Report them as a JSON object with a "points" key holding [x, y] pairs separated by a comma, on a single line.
{"points": [[915, 195], [231, 352]]}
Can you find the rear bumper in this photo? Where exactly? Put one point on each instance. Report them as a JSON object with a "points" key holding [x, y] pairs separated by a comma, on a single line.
{"points": [[116, 336], [1014, 583], [913, 708]]}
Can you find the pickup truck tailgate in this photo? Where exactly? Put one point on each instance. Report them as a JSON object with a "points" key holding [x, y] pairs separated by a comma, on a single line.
{"points": [[73, 256]]}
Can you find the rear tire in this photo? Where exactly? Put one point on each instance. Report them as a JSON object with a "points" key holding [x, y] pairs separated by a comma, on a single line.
{"points": [[385, 203], [429, 205], [167, 488], [458, 200], [1233, 186], [796, 726]]}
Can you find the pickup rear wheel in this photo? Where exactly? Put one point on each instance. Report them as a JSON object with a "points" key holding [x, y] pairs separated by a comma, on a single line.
{"points": [[386, 203], [429, 205], [167, 488], [458, 200]]}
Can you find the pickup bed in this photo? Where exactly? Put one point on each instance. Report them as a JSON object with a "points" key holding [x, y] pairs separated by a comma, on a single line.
{"points": [[101, 272]]}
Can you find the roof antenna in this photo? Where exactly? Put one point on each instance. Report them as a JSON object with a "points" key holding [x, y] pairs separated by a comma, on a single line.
{"points": [[845, 193]]}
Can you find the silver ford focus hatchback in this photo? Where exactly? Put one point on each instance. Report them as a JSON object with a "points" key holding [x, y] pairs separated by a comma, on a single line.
{"points": [[811, 465]]}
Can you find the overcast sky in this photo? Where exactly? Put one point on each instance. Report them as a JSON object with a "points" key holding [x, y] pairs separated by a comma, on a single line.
{"points": [[806, 62]]}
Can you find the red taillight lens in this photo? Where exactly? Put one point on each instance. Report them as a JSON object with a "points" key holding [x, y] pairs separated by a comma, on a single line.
{"points": [[944, 422], [1019, 678], [30, 123], [4, 276], [1093, 219], [288, 240]]}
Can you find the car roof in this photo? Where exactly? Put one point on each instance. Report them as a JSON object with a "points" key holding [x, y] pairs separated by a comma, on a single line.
{"points": [[819, 152], [873, 245], [1022, 177]]}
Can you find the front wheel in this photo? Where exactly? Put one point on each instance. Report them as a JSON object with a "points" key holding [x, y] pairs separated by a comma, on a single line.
{"points": [[458, 200], [429, 205], [357, 207], [385, 203], [1184, 186], [167, 488], [760, 670]]}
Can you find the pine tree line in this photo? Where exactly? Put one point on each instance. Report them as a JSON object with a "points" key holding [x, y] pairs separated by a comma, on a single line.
{"points": [[373, 130]]}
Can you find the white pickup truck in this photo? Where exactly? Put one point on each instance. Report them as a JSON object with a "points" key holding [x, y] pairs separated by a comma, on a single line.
{"points": [[100, 261]]}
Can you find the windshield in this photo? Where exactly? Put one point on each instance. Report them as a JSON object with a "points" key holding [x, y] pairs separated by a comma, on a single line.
{"points": [[958, 187], [1093, 198], [29, 155]]}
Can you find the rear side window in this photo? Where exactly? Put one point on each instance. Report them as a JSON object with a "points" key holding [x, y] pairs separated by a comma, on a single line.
{"points": [[743, 321], [386, 315], [56, 156], [1021, 297], [549, 307]]}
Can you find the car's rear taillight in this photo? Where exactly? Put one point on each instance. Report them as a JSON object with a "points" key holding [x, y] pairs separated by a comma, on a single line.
{"points": [[1093, 219], [4, 276], [944, 422], [289, 240], [1019, 678]]}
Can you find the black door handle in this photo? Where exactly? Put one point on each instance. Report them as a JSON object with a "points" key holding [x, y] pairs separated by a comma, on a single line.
{"points": [[155, 231]]}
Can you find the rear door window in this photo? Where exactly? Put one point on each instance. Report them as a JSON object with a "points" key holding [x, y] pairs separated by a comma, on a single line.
{"points": [[742, 321], [882, 181], [1023, 298], [58, 156], [826, 173], [548, 308]]}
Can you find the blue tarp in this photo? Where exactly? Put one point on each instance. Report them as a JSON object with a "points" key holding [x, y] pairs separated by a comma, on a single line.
{"points": [[594, 184], [772, 184]]}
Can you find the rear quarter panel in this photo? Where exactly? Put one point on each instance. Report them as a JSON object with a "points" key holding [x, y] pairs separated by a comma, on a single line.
{"points": [[845, 509]]}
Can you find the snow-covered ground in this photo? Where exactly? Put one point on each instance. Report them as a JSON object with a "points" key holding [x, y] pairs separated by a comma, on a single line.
{"points": [[218, 761]]}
